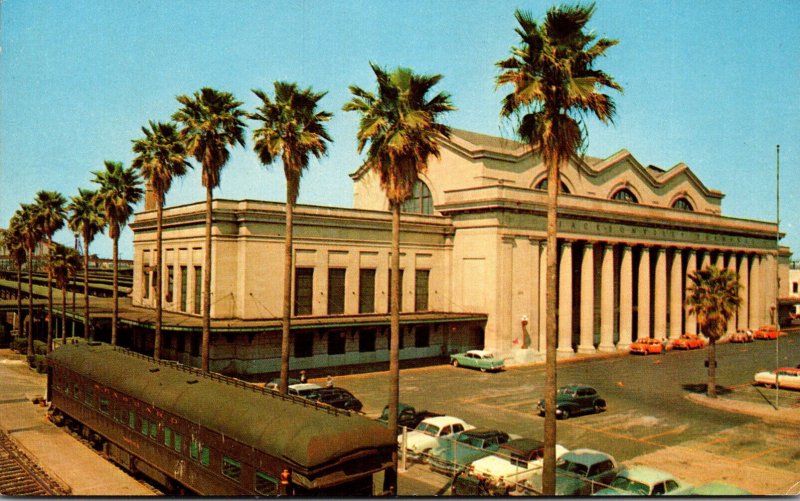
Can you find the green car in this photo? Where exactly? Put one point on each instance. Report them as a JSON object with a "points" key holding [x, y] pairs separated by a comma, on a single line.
{"points": [[466, 447], [478, 359], [580, 472], [574, 399], [644, 481]]}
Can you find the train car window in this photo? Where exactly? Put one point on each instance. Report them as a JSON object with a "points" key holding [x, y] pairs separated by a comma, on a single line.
{"points": [[265, 484], [132, 419], [231, 468], [205, 456], [66, 389], [178, 442], [153, 430], [89, 396], [76, 391], [167, 436], [194, 449], [104, 405], [145, 426]]}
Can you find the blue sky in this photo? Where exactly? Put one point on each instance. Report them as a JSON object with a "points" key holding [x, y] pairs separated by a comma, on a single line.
{"points": [[713, 84]]}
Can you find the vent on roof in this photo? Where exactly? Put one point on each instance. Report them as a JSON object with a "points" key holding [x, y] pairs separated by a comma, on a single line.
{"points": [[192, 381], [154, 369]]}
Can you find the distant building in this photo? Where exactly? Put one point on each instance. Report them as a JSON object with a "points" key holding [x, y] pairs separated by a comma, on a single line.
{"points": [[473, 258]]}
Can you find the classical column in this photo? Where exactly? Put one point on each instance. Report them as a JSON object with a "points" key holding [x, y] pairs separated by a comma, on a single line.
{"points": [[533, 321], [625, 298], [565, 300], [644, 294], [542, 296], [676, 295], [756, 288], [732, 268], [743, 314], [770, 287], [660, 303], [607, 299], [586, 344], [691, 267]]}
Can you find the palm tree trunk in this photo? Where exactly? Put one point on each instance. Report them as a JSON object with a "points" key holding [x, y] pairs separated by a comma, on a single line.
{"points": [[711, 388], [114, 292], [19, 300], [85, 287], [204, 348], [394, 341], [550, 381], [30, 307], [49, 294], [64, 314], [159, 306], [287, 289]]}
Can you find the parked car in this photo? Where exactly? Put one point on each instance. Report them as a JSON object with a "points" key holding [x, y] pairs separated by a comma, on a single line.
{"points": [[688, 342], [456, 453], [407, 416], [514, 462], [305, 390], [276, 383], [741, 336], [784, 377], [647, 345], [767, 332], [580, 472], [425, 437], [644, 481], [574, 399], [339, 398], [478, 359]]}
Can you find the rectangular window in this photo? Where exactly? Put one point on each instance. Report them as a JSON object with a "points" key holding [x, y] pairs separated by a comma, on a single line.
{"points": [[421, 290], [198, 289], [389, 291], [76, 391], [795, 287], [89, 396], [153, 430], [178, 441], [303, 344], [184, 286], [194, 449], [131, 419], [422, 336], [167, 436], [170, 284], [104, 405], [366, 340], [145, 284], [205, 456], [231, 468], [366, 291], [194, 346], [303, 290], [145, 427], [265, 484], [336, 342], [336, 291]]}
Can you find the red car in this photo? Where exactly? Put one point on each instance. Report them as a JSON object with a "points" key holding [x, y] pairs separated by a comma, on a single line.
{"points": [[767, 332], [646, 346], [688, 342], [741, 336]]}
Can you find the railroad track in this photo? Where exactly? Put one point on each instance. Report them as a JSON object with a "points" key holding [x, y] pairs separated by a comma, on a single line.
{"points": [[21, 476]]}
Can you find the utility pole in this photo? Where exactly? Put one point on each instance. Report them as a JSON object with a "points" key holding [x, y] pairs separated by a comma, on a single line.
{"points": [[777, 266]]}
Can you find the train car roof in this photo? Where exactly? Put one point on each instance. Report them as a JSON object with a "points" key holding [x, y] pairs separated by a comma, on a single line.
{"points": [[304, 433]]}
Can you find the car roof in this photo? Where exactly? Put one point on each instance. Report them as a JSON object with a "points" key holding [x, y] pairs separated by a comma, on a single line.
{"points": [[576, 386], [443, 420], [305, 386], [646, 474], [483, 432], [586, 456], [483, 353], [522, 445]]}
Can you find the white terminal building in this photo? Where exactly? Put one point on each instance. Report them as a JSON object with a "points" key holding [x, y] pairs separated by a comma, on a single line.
{"points": [[473, 257]]}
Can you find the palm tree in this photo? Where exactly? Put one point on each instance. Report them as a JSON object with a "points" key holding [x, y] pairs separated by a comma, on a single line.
{"points": [[555, 85], [400, 126], [51, 213], [211, 121], [292, 129], [30, 231], [713, 296], [161, 158], [13, 242], [65, 263], [86, 217], [120, 189]]}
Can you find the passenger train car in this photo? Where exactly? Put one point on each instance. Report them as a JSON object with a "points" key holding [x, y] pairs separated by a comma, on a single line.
{"points": [[202, 433]]}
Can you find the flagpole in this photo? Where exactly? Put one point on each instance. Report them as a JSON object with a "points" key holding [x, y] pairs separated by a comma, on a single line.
{"points": [[777, 265]]}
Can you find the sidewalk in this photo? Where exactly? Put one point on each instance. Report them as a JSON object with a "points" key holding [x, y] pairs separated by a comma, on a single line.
{"points": [[763, 410]]}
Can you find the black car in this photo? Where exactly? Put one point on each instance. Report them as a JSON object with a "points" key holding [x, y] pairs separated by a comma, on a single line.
{"points": [[339, 398], [407, 416], [575, 398]]}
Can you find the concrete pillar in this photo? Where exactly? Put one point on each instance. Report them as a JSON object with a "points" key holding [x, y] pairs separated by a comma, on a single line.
{"points": [[625, 298], [676, 296], [769, 279], [586, 344], [691, 267], [542, 296], [743, 313], [607, 299], [660, 292], [756, 288], [533, 321], [732, 268], [644, 294], [565, 301]]}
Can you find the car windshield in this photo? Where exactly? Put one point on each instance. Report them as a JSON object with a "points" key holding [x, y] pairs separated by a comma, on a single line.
{"points": [[626, 484], [565, 391], [428, 429], [569, 466]]}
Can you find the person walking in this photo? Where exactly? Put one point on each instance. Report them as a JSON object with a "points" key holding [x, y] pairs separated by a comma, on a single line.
{"points": [[303, 378]]}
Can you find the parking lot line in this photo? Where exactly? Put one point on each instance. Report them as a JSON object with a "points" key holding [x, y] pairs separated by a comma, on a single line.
{"points": [[764, 453], [715, 441], [679, 429]]}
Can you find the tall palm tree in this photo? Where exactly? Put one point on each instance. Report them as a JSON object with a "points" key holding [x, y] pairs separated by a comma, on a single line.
{"points": [[15, 245], [555, 85], [399, 124], [211, 121], [65, 264], [31, 234], [86, 217], [161, 158], [120, 189], [292, 128], [713, 296], [51, 215]]}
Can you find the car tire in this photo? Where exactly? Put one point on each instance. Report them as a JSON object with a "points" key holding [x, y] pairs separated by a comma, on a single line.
{"points": [[455, 363], [599, 406], [424, 456], [564, 413]]}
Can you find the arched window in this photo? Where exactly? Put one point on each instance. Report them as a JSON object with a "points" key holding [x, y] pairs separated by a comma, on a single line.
{"points": [[682, 204], [625, 195], [420, 202], [542, 185]]}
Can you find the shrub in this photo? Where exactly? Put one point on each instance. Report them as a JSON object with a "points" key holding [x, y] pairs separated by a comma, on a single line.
{"points": [[39, 347], [40, 363]]}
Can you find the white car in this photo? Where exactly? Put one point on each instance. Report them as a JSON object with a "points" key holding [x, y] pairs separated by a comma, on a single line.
{"points": [[785, 377], [514, 461], [426, 435]]}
